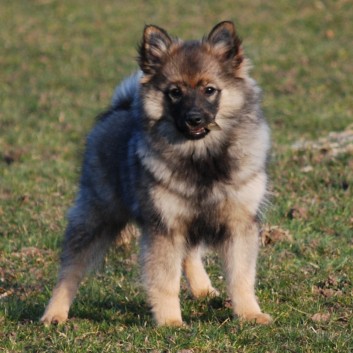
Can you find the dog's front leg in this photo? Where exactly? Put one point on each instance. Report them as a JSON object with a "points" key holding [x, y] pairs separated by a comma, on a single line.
{"points": [[161, 257], [239, 253]]}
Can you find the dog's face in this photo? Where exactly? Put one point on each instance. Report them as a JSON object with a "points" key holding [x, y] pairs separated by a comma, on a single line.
{"points": [[186, 84]]}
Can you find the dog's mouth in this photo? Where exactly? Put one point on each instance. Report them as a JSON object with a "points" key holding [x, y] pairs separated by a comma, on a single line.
{"points": [[198, 132]]}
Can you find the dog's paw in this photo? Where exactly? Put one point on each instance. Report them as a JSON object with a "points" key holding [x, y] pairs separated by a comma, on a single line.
{"points": [[207, 292], [51, 318], [172, 323], [258, 318], [213, 293]]}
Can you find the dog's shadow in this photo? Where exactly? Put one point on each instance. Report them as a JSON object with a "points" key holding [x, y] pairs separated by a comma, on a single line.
{"points": [[136, 312], [127, 312], [133, 312]]}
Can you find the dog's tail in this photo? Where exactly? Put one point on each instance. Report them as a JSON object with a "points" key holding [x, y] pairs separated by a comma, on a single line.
{"points": [[125, 94]]}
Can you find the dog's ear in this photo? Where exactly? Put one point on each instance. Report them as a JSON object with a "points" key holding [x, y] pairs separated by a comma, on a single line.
{"points": [[225, 42], [154, 46]]}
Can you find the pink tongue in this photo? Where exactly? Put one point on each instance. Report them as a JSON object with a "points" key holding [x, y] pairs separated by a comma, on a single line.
{"points": [[197, 131]]}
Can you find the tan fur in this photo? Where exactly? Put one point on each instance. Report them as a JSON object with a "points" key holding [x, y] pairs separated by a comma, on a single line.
{"points": [[64, 292], [199, 282], [69, 279], [239, 254], [161, 277], [153, 106]]}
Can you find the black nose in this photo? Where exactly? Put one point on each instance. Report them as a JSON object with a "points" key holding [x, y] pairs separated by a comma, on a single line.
{"points": [[194, 119]]}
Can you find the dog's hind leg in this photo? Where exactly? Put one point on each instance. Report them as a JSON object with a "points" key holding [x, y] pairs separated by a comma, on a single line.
{"points": [[85, 245], [199, 282]]}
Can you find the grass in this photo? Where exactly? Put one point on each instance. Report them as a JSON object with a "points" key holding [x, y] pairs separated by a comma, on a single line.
{"points": [[59, 64]]}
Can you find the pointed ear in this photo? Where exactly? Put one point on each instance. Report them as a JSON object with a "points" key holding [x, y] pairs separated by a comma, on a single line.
{"points": [[154, 45], [225, 42]]}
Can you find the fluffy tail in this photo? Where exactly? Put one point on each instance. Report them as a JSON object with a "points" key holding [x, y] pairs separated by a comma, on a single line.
{"points": [[126, 92]]}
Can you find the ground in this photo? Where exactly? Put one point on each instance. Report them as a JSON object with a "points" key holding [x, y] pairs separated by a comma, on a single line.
{"points": [[60, 61]]}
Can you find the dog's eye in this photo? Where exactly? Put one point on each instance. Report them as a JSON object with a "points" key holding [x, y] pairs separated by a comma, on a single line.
{"points": [[175, 93], [209, 91]]}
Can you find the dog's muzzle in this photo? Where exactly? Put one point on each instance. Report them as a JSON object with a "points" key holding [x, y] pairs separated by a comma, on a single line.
{"points": [[198, 125]]}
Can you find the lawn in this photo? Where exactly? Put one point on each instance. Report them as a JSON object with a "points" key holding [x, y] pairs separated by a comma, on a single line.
{"points": [[59, 63]]}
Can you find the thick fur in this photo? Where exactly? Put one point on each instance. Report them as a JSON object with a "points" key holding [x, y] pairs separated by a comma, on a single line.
{"points": [[182, 151]]}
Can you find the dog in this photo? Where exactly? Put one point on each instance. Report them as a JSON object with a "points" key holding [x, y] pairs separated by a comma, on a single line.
{"points": [[182, 152]]}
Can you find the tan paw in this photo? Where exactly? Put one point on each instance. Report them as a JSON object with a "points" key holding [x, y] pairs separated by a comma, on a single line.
{"points": [[174, 323], [52, 318], [170, 322], [258, 318], [208, 292]]}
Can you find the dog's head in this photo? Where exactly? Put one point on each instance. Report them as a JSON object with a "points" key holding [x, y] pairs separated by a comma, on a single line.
{"points": [[190, 86]]}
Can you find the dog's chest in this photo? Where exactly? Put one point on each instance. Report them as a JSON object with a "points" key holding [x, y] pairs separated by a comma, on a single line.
{"points": [[204, 172], [199, 217], [208, 227]]}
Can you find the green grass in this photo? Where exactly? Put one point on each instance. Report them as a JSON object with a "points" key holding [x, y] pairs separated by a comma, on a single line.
{"points": [[60, 61]]}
